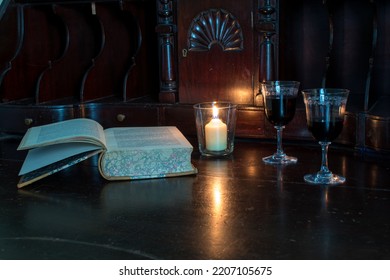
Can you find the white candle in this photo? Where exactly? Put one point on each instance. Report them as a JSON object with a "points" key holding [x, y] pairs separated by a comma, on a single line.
{"points": [[216, 133]]}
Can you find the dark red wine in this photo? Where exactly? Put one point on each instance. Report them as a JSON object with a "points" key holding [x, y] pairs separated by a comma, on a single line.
{"points": [[325, 131], [280, 111]]}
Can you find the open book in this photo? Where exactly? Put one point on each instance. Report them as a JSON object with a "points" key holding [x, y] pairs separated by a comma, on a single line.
{"points": [[125, 152]]}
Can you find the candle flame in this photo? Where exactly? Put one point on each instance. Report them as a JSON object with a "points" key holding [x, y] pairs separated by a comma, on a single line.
{"points": [[215, 112]]}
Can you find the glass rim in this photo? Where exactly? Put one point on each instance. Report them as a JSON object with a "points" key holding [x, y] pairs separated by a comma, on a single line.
{"points": [[326, 91], [280, 82], [209, 105]]}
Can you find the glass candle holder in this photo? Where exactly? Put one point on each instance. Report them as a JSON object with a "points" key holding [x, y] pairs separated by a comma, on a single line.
{"points": [[215, 127]]}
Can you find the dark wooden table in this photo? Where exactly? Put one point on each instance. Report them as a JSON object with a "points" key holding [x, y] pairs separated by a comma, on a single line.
{"points": [[235, 208]]}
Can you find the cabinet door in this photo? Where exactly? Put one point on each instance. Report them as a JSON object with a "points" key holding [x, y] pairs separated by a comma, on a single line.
{"points": [[216, 51]]}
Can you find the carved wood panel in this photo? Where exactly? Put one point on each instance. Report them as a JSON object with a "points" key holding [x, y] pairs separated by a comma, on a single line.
{"points": [[216, 51]]}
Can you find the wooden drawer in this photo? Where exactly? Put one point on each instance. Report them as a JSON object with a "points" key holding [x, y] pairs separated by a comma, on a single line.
{"points": [[17, 119], [114, 115], [377, 133]]}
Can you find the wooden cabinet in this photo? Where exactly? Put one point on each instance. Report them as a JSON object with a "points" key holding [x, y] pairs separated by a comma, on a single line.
{"points": [[146, 62]]}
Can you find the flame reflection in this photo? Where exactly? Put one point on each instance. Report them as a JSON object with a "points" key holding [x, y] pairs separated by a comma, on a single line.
{"points": [[216, 227], [217, 197]]}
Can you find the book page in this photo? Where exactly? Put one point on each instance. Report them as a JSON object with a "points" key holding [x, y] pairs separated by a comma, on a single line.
{"points": [[74, 130], [145, 138], [46, 155]]}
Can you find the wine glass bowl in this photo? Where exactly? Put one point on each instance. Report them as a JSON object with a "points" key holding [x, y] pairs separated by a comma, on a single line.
{"points": [[325, 111], [279, 105]]}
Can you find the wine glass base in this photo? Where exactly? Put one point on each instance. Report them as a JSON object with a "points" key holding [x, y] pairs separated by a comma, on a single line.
{"points": [[317, 179], [283, 160]]}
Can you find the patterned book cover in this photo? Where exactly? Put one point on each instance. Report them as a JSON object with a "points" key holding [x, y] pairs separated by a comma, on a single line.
{"points": [[142, 164]]}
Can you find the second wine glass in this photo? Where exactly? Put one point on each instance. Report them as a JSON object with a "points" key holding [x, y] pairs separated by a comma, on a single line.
{"points": [[279, 102], [325, 110]]}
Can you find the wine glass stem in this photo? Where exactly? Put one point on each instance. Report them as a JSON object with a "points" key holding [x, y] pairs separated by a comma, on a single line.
{"points": [[279, 148], [324, 171]]}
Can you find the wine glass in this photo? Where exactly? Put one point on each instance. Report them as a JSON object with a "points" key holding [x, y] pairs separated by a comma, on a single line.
{"points": [[279, 102], [325, 110]]}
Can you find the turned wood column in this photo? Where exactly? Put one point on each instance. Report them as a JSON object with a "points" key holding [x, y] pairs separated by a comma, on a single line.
{"points": [[266, 26], [166, 29]]}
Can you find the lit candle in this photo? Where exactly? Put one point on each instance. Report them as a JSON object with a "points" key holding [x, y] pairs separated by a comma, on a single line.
{"points": [[216, 133]]}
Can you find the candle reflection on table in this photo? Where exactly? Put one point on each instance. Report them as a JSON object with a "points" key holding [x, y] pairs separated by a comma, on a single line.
{"points": [[218, 232]]}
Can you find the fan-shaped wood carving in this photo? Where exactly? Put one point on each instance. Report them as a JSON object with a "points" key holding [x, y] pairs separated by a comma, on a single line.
{"points": [[215, 26]]}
